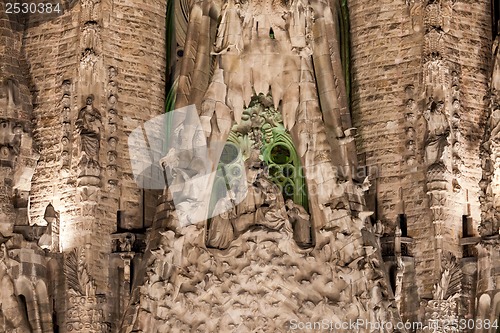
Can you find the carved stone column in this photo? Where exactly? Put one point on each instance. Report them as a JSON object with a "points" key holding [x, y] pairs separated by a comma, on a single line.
{"points": [[437, 191], [442, 312], [17, 158], [490, 154], [85, 308]]}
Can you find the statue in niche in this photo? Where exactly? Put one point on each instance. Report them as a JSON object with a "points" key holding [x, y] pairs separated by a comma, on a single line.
{"points": [[271, 213], [262, 205], [252, 198], [438, 129], [221, 231], [300, 221], [90, 37], [89, 125], [127, 242]]}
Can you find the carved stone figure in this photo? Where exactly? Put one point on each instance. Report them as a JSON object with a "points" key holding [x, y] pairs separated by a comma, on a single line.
{"points": [[300, 220], [273, 209], [89, 125], [252, 197], [437, 132], [494, 123], [126, 243], [9, 95], [90, 37], [221, 231]]}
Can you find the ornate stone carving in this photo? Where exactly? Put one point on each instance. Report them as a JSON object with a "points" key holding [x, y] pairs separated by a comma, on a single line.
{"points": [[90, 12], [221, 232], [449, 286], [438, 129], [123, 242], [89, 124], [442, 311], [77, 275], [301, 222], [66, 141], [489, 152], [90, 38], [11, 133]]}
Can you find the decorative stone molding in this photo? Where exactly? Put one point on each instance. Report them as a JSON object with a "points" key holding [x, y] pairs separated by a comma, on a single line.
{"points": [[111, 128], [489, 152]]}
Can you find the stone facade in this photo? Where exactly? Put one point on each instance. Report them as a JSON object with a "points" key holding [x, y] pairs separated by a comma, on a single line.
{"points": [[347, 151]]}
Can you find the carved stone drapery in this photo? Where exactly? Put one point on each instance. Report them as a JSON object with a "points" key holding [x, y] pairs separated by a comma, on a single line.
{"points": [[437, 132], [89, 125], [341, 278]]}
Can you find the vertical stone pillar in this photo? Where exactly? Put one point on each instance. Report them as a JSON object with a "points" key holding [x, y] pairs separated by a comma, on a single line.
{"points": [[98, 72], [17, 158]]}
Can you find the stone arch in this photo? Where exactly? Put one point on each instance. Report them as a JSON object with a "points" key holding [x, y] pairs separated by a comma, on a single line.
{"points": [[495, 310], [44, 306], [483, 307], [290, 169], [10, 306], [25, 293]]}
